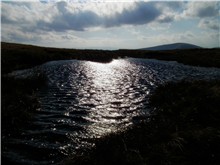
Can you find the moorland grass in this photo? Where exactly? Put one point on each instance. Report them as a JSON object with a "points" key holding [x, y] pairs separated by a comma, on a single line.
{"points": [[194, 57], [18, 56], [19, 101], [184, 129]]}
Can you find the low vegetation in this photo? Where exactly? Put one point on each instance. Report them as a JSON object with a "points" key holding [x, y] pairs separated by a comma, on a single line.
{"points": [[18, 56], [184, 129], [195, 57], [19, 102]]}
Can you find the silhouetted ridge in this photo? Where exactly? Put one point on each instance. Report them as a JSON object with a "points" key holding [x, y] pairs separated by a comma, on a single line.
{"points": [[173, 46]]}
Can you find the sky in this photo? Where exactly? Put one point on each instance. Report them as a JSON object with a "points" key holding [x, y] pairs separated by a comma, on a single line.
{"points": [[110, 24]]}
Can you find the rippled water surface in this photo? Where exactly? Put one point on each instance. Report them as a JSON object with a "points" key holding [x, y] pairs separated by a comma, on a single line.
{"points": [[85, 99]]}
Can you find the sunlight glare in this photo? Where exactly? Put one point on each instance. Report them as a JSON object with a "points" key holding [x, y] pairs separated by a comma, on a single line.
{"points": [[106, 80]]}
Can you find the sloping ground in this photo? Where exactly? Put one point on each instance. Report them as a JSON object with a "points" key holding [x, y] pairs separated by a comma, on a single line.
{"points": [[195, 57], [18, 102], [18, 56], [173, 47], [184, 129]]}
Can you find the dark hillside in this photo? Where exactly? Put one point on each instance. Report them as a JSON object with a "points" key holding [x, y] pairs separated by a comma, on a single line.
{"points": [[183, 129], [195, 57], [173, 47], [18, 56]]}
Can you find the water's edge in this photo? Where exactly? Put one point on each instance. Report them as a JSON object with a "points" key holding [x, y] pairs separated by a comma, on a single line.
{"points": [[85, 100]]}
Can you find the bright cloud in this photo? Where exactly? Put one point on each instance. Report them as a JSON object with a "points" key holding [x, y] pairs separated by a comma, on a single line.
{"points": [[202, 9], [99, 24], [210, 24]]}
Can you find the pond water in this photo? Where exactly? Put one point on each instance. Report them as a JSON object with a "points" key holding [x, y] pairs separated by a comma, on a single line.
{"points": [[85, 100]]}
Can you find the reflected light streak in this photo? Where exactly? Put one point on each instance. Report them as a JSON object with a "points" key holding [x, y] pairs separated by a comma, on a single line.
{"points": [[106, 75], [107, 83]]}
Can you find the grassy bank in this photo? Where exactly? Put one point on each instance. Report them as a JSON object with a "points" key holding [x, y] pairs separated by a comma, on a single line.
{"points": [[19, 102], [18, 56], [184, 129], [195, 57]]}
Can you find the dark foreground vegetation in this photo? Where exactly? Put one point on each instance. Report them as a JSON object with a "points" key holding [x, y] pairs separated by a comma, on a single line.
{"points": [[18, 56], [184, 129], [195, 57], [18, 102]]}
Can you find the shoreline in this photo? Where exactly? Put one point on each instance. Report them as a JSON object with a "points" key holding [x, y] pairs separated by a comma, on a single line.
{"points": [[19, 98], [18, 56], [183, 129]]}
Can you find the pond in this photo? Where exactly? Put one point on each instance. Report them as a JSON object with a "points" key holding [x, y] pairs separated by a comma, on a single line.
{"points": [[85, 100]]}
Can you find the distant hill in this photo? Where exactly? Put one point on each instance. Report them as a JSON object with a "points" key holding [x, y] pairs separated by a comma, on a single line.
{"points": [[172, 47]]}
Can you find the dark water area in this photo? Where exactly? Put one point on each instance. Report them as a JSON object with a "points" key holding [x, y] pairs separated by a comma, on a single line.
{"points": [[85, 100]]}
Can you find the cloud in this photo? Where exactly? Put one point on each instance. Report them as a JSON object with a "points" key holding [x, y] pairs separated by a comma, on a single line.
{"points": [[170, 5], [140, 13], [63, 16], [75, 22], [207, 13], [166, 18], [169, 10], [11, 34], [59, 23], [213, 24], [66, 20], [25, 14], [202, 9]]}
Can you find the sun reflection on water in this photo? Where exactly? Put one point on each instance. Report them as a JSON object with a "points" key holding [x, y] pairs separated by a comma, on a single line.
{"points": [[85, 100], [106, 75], [107, 84]]}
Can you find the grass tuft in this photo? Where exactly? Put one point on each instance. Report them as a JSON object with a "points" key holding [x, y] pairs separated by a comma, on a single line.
{"points": [[184, 129], [19, 101]]}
